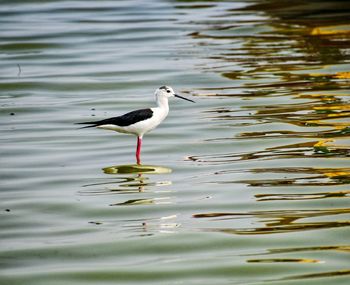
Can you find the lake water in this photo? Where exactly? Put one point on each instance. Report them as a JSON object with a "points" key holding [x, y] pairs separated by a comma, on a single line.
{"points": [[249, 185]]}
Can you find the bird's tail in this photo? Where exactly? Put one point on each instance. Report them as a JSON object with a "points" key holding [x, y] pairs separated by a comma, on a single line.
{"points": [[92, 124]]}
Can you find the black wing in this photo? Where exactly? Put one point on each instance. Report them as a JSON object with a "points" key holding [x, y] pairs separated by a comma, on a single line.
{"points": [[124, 120]]}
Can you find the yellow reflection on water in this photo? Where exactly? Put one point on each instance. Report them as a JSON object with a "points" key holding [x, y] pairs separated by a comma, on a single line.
{"points": [[330, 30], [309, 177], [279, 221], [310, 149]]}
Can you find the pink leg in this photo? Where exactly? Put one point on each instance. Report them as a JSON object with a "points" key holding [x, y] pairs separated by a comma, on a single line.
{"points": [[138, 150]]}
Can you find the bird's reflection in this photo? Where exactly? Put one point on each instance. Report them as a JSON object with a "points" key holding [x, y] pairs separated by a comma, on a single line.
{"points": [[135, 185], [136, 169], [128, 179], [138, 180]]}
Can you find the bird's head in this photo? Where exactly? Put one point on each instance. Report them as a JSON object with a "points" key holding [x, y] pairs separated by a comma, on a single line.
{"points": [[167, 92]]}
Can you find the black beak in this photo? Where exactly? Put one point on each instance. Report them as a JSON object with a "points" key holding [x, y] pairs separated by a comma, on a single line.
{"points": [[178, 96]]}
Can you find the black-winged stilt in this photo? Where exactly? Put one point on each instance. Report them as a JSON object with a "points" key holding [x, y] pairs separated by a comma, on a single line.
{"points": [[141, 121]]}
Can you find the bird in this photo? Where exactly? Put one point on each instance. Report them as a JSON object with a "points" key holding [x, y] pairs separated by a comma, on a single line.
{"points": [[140, 122]]}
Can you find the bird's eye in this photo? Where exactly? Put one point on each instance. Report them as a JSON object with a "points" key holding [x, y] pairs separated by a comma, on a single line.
{"points": [[168, 91]]}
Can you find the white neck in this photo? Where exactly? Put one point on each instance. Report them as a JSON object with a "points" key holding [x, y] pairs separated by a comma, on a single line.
{"points": [[162, 102]]}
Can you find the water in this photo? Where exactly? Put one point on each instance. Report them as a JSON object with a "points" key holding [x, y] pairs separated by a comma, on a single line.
{"points": [[250, 185]]}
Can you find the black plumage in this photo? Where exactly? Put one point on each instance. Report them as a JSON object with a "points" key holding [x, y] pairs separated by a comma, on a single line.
{"points": [[124, 120]]}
